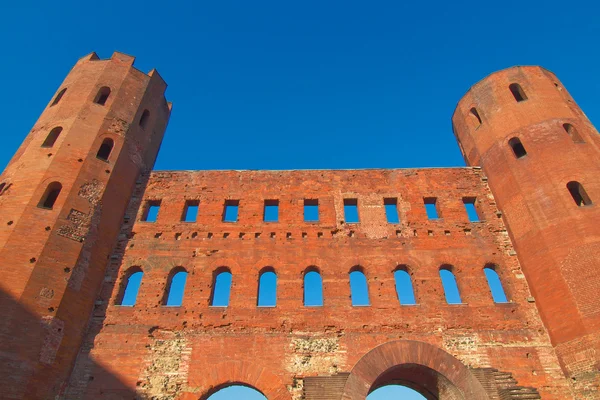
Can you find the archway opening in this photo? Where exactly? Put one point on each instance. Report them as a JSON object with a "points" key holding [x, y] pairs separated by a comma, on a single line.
{"points": [[235, 392], [394, 392]]}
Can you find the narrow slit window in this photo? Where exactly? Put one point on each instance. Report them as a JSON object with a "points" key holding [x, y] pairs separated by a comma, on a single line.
{"points": [[391, 210], [132, 287], [58, 97], [517, 147], [176, 287], [190, 210], [52, 136], [151, 211], [359, 289], [102, 95], [517, 92], [230, 211], [144, 119], [311, 210], [313, 289], [450, 286], [431, 208], [221, 288], [495, 284], [404, 286], [470, 208], [50, 195], [267, 288], [573, 133], [351, 211], [271, 211], [475, 117], [105, 149], [579, 194]]}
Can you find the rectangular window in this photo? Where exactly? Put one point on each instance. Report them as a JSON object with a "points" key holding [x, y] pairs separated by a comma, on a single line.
{"points": [[431, 207], [271, 213], [151, 211], [190, 210], [311, 210], [391, 210], [351, 211], [469, 203], [230, 213]]}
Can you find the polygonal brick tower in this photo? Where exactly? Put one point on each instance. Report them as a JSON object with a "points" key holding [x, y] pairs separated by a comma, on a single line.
{"points": [[541, 155], [63, 197]]}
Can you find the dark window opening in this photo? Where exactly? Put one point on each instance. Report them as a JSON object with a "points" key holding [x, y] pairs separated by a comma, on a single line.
{"points": [[50, 195], [572, 131], [271, 211], [517, 147], [495, 284], [230, 212], [144, 119], [190, 210], [517, 92], [102, 95], [151, 211], [469, 203], [351, 211], [579, 194], [391, 210], [475, 116], [58, 97], [431, 207], [105, 149], [52, 136], [311, 210]]}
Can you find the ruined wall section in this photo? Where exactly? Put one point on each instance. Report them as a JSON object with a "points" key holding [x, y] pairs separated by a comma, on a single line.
{"points": [[189, 351]]}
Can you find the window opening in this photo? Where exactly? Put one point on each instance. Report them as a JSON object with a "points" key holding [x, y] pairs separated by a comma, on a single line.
{"points": [[144, 119], [391, 210], [105, 149], [230, 212], [311, 210], [267, 288], [450, 286], [404, 286], [495, 284], [359, 289], [221, 288], [176, 287], [58, 97], [50, 195], [271, 211], [572, 131], [313, 289], [431, 207], [351, 211], [132, 287], [475, 116], [237, 392], [151, 211], [517, 147], [190, 210], [52, 136], [517, 92], [469, 203], [394, 391], [579, 194], [102, 95]]}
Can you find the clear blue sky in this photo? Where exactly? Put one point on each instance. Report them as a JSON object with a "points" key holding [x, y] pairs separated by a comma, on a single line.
{"points": [[391, 392], [312, 84]]}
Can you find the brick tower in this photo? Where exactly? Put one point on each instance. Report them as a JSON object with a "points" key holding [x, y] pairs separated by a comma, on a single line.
{"points": [[541, 155], [63, 196]]}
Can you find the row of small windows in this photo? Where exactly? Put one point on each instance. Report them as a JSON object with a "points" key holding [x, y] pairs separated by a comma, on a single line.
{"points": [[311, 210], [101, 98], [312, 285], [103, 151]]}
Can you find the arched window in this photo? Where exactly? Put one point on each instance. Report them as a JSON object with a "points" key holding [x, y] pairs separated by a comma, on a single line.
{"points": [[52, 136], [475, 117], [359, 289], [58, 97], [105, 149], [144, 119], [221, 287], [450, 286], [236, 391], [404, 286], [130, 287], [313, 288], [50, 195], [517, 147], [517, 92], [495, 284], [102, 95], [572, 131], [579, 194], [175, 287], [267, 288]]}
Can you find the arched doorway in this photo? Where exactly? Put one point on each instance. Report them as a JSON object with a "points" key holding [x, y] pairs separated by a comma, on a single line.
{"points": [[395, 391], [236, 392], [427, 369]]}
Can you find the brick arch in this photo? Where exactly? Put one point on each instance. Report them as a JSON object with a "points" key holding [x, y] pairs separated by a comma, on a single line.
{"points": [[424, 367], [242, 373]]}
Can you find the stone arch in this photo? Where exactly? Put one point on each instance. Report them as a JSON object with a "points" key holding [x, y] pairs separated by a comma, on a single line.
{"points": [[421, 366]]}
